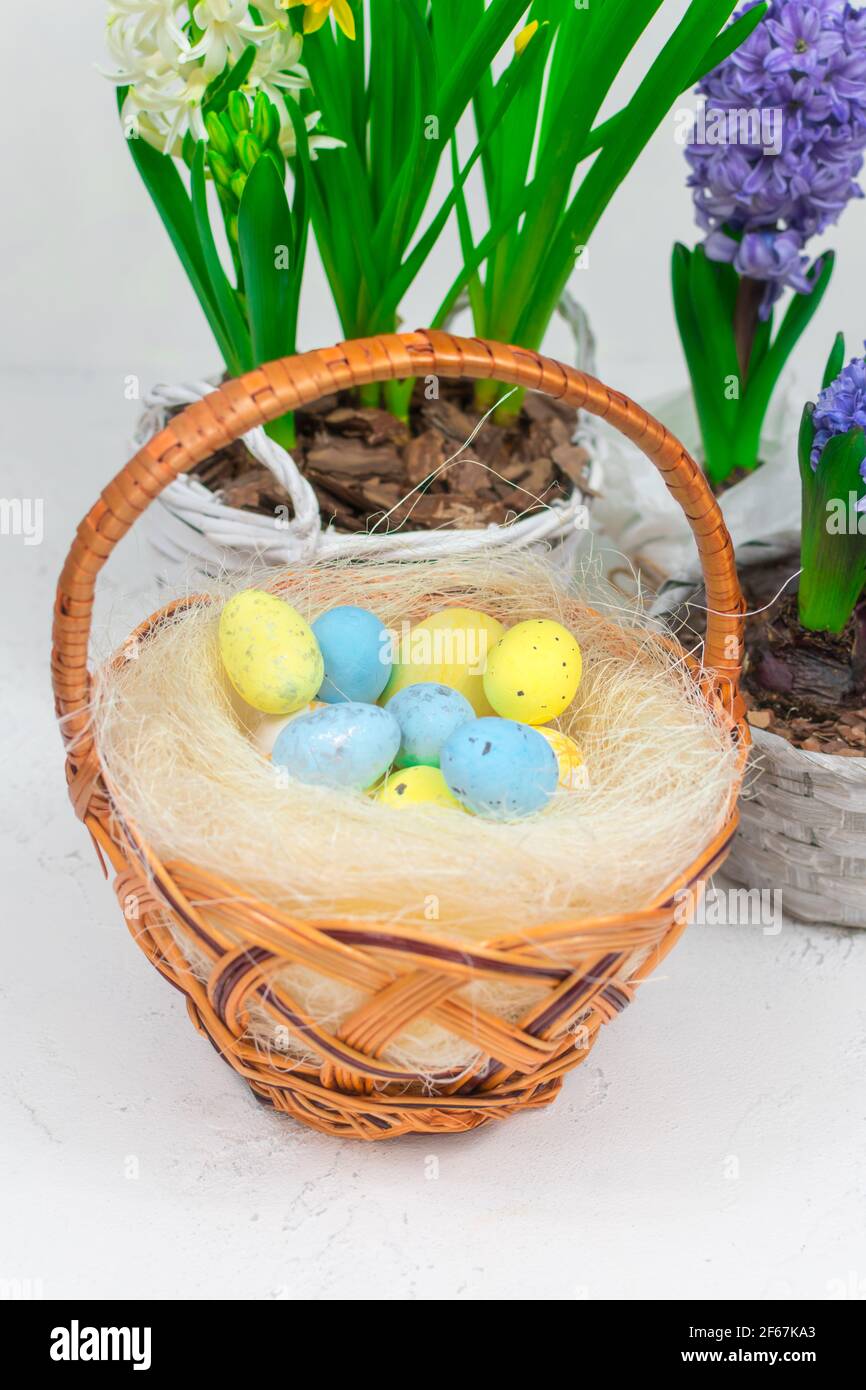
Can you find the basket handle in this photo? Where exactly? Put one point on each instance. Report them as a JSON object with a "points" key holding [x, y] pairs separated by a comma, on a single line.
{"points": [[292, 382]]}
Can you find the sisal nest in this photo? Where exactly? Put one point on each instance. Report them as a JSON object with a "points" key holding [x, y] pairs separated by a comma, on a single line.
{"points": [[662, 772]]}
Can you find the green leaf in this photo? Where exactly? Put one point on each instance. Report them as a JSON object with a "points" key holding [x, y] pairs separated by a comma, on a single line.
{"points": [[647, 108], [224, 296], [721, 48], [171, 200], [728, 41], [717, 455], [714, 312], [300, 212], [481, 46], [264, 229], [805, 441], [402, 278], [835, 362], [228, 81], [607, 35], [401, 194], [833, 550], [467, 246]]}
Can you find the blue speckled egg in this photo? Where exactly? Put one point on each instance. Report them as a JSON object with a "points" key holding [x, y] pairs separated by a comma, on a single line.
{"points": [[348, 745], [357, 655], [499, 768], [428, 714]]}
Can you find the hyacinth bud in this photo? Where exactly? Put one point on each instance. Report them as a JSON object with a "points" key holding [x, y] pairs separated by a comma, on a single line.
{"points": [[238, 111], [230, 133], [217, 135], [232, 226], [265, 120], [248, 150], [220, 168], [237, 183]]}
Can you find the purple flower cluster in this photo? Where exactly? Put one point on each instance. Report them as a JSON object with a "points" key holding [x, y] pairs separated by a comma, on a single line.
{"points": [[840, 407], [801, 76]]}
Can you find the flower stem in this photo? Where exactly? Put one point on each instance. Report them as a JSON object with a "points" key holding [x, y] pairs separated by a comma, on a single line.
{"points": [[283, 431], [746, 314], [398, 397], [485, 394], [509, 410]]}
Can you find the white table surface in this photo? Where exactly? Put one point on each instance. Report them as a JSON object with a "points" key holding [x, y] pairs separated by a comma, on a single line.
{"points": [[712, 1145]]}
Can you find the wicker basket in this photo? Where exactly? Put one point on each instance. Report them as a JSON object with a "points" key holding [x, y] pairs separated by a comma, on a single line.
{"points": [[803, 832], [591, 968]]}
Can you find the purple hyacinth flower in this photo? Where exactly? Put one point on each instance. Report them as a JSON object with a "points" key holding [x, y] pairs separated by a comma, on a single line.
{"points": [[802, 39], [800, 78], [841, 407]]}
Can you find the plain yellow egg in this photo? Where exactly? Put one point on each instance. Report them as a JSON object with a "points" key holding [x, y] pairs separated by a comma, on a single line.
{"points": [[451, 648], [533, 671], [572, 771], [271, 725], [414, 786], [269, 653]]}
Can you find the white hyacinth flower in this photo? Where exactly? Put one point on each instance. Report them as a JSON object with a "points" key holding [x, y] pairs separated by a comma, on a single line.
{"points": [[286, 137], [163, 113], [168, 76], [228, 30], [149, 24]]}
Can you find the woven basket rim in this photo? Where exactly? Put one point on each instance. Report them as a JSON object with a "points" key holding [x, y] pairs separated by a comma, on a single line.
{"points": [[851, 768]]}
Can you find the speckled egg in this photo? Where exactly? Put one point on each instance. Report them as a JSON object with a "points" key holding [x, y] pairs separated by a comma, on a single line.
{"points": [[533, 672], [347, 745], [270, 726], [572, 769], [428, 714], [356, 651], [499, 768], [448, 648], [269, 653], [416, 786]]}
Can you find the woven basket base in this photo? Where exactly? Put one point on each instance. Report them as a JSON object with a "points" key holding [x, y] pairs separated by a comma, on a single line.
{"points": [[565, 1026], [297, 1091]]}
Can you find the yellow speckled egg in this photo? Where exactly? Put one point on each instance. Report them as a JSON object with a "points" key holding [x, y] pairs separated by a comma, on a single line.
{"points": [[413, 786], [269, 653], [450, 647], [270, 726], [572, 771], [533, 672]]}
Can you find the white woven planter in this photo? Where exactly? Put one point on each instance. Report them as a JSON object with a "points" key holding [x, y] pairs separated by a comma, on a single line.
{"points": [[191, 523], [802, 815], [803, 831]]}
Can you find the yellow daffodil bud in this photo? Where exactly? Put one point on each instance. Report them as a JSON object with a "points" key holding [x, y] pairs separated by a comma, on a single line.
{"points": [[525, 37]]}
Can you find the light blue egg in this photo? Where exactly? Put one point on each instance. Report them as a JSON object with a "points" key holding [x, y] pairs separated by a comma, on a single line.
{"points": [[357, 655], [428, 714], [499, 768], [348, 745]]}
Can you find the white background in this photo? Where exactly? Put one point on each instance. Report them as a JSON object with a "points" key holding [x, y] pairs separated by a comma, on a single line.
{"points": [[713, 1144]]}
